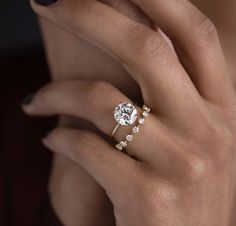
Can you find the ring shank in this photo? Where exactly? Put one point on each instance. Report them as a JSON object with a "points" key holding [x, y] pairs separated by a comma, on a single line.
{"points": [[115, 129]]}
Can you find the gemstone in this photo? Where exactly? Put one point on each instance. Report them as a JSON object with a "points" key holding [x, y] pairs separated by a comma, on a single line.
{"points": [[129, 137], [145, 114], [119, 147], [123, 144], [135, 129], [141, 121], [147, 109], [125, 114]]}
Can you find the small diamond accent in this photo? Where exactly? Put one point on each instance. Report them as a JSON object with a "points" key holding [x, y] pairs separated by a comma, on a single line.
{"points": [[141, 121], [119, 147], [129, 138], [125, 114], [135, 129], [147, 109], [145, 114], [123, 144]]}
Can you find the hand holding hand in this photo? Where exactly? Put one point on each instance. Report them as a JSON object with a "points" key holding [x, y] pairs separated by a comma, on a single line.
{"points": [[189, 161]]}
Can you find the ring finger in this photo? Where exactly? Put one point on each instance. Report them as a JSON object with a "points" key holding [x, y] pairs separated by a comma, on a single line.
{"points": [[95, 102]]}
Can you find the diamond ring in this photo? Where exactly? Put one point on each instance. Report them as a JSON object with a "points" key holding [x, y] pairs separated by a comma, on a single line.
{"points": [[124, 114], [124, 143]]}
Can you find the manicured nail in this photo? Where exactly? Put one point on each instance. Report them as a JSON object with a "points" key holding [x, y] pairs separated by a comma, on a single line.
{"points": [[28, 99], [45, 2], [48, 131]]}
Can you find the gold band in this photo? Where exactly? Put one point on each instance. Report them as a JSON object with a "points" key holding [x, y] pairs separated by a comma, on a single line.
{"points": [[115, 129]]}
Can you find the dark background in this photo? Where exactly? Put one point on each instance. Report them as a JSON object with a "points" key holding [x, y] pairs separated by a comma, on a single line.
{"points": [[24, 162], [19, 29]]}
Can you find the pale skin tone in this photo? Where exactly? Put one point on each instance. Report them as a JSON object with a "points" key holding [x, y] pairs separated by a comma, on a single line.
{"points": [[168, 125]]}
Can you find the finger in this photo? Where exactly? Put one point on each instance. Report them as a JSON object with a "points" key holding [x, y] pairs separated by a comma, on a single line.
{"points": [[196, 42], [113, 170], [144, 52], [95, 102], [131, 10]]}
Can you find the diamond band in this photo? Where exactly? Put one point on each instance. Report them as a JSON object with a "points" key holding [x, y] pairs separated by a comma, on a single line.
{"points": [[124, 143]]}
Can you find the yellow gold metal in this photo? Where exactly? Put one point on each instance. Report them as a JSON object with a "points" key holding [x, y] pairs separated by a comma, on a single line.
{"points": [[115, 129]]}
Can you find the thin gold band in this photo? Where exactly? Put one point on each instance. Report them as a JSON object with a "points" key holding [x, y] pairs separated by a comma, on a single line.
{"points": [[115, 129]]}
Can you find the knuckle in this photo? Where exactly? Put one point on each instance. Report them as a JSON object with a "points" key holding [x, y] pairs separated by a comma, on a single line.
{"points": [[206, 31], [158, 196], [161, 196], [145, 44]]}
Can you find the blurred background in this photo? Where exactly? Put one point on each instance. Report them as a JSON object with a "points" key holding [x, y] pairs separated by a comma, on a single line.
{"points": [[19, 29], [25, 164]]}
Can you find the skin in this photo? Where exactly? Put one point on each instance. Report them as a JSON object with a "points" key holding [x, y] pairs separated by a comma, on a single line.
{"points": [[188, 164], [78, 55], [72, 64]]}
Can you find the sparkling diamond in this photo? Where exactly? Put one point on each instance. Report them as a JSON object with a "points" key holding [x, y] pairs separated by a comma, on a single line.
{"points": [[147, 109], [141, 121], [129, 137], [123, 144], [125, 114], [145, 114], [135, 129], [119, 147]]}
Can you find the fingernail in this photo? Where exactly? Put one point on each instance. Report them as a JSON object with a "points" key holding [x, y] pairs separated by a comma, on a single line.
{"points": [[48, 131], [45, 2], [28, 99]]}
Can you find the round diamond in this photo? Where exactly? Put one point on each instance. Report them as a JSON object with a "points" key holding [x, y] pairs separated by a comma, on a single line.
{"points": [[129, 137], [145, 114], [135, 129], [141, 121], [125, 114]]}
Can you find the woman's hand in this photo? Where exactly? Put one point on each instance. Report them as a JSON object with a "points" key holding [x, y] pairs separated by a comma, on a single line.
{"points": [[76, 198], [190, 160]]}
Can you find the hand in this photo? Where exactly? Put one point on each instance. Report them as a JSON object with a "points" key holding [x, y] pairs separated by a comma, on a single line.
{"points": [[75, 196], [190, 160]]}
